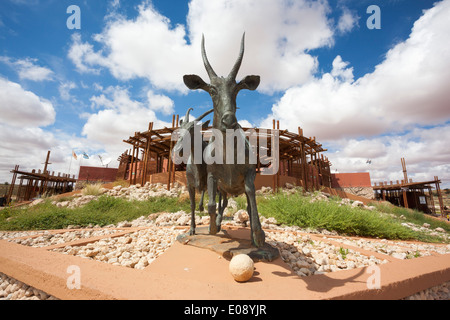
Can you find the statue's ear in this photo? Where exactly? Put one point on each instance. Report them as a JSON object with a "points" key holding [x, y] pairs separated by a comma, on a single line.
{"points": [[249, 82], [194, 82], [205, 125]]}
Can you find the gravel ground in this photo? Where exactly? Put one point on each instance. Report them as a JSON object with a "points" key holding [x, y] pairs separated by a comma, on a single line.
{"points": [[307, 257], [12, 289], [134, 250], [137, 249], [440, 292], [47, 239]]}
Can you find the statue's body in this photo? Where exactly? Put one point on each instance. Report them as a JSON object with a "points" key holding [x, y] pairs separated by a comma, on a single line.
{"points": [[196, 171], [232, 178]]}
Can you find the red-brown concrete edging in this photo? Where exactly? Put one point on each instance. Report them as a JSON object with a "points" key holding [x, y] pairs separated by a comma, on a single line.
{"points": [[186, 272]]}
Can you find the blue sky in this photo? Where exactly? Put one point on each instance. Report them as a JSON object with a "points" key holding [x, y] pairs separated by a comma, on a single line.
{"points": [[364, 93]]}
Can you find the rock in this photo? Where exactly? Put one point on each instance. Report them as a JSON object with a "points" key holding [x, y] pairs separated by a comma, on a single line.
{"points": [[241, 267], [205, 220], [36, 202], [306, 252], [124, 224], [439, 229], [271, 220], [305, 271], [357, 204], [241, 216], [426, 225], [184, 220], [399, 255], [302, 264]]}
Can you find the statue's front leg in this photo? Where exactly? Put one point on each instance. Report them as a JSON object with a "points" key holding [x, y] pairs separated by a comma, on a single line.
{"points": [[212, 187], [192, 199], [257, 233], [223, 203], [200, 205]]}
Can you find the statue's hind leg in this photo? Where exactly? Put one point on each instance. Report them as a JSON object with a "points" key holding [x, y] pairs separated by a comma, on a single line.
{"points": [[192, 199], [223, 203], [212, 187]]}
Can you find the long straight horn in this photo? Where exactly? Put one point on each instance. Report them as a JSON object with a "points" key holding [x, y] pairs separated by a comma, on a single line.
{"points": [[204, 115], [237, 64], [208, 67]]}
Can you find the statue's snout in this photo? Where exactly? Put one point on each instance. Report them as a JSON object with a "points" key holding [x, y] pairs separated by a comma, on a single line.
{"points": [[229, 120]]}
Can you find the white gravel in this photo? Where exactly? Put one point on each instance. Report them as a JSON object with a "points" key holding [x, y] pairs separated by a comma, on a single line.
{"points": [[12, 289], [134, 250], [305, 254]]}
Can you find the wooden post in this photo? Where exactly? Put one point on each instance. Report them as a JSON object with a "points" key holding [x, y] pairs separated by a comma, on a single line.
{"points": [[439, 195], [131, 165], [304, 167], [173, 164], [279, 160], [19, 192], [405, 198], [136, 158], [169, 167], [44, 182], [405, 174], [274, 177], [146, 154], [430, 194], [11, 187]]}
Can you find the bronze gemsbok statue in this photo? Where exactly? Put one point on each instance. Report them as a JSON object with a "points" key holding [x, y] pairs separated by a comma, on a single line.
{"points": [[196, 172], [233, 178]]}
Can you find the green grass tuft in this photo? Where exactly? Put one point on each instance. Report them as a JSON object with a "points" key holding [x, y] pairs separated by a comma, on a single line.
{"points": [[103, 211], [297, 210]]}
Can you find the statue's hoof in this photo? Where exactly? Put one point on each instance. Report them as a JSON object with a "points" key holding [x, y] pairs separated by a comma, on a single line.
{"points": [[218, 224], [213, 229], [259, 238]]}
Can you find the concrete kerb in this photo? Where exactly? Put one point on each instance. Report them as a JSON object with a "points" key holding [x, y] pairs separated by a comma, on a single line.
{"points": [[185, 272]]}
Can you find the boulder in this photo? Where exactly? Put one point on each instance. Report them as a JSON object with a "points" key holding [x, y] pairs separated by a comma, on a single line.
{"points": [[241, 267]]}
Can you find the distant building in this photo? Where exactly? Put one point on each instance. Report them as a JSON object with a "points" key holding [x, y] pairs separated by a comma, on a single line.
{"points": [[409, 194], [97, 174], [349, 180], [357, 183]]}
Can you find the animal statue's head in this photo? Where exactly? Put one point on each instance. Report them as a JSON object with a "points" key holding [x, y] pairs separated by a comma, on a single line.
{"points": [[188, 130], [223, 91]]}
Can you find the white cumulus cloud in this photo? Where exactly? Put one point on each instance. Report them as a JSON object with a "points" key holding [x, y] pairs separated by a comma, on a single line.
{"points": [[278, 35]]}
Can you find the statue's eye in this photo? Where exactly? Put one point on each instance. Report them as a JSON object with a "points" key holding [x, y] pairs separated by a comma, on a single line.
{"points": [[212, 91]]}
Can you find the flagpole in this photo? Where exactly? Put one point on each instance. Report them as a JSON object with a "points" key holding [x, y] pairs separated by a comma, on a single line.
{"points": [[70, 163]]}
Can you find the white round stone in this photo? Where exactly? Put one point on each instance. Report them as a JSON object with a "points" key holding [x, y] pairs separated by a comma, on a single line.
{"points": [[241, 267]]}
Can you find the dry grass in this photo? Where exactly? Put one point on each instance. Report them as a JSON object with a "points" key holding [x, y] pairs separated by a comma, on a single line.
{"points": [[92, 189]]}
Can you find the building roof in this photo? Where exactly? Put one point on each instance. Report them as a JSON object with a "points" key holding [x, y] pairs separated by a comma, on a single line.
{"points": [[354, 179], [410, 185]]}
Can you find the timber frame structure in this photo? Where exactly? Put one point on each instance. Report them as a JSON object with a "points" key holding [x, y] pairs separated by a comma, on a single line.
{"points": [[301, 161], [409, 194], [39, 183]]}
